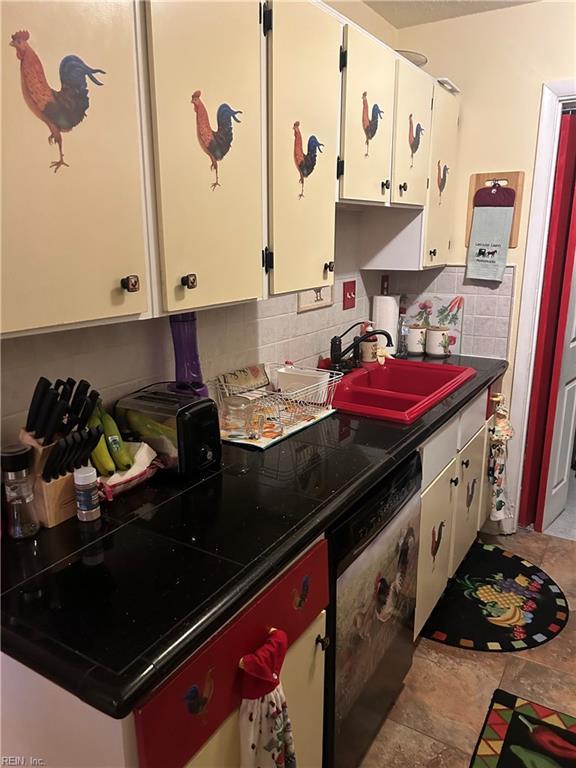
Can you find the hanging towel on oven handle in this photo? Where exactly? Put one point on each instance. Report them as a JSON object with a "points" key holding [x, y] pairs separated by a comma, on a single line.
{"points": [[266, 739]]}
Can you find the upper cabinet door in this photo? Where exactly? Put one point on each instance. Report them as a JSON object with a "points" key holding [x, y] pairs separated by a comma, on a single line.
{"points": [[304, 81], [411, 134], [443, 156], [72, 213], [367, 119], [206, 85]]}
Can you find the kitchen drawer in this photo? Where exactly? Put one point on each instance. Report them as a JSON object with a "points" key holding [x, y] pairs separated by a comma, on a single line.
{"points": [[436, 515], [472, 418], [174, 723], [439, 451], [470, 463]]}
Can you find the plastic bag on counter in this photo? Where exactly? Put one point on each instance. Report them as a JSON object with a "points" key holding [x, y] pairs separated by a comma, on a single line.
{"points": [[144, 467]]}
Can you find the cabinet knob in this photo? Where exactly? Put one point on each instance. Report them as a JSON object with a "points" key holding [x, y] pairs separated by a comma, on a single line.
{"points": [[323, 642], [432, 253], [385, 185], [130, 283], [189, 281], [454, 481], [403, 187], [329, 266], [466, 463]]}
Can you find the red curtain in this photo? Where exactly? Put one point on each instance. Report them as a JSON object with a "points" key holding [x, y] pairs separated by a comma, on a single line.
{"points": [[550, 327]]}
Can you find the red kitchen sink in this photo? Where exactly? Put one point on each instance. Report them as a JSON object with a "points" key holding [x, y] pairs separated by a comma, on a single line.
{"points": [[400, 390]]}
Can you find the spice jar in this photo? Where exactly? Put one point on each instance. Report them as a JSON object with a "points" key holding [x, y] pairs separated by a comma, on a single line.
{"points": [[18, 482]]}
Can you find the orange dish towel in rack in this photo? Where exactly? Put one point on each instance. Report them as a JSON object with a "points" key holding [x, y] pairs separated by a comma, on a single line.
{"points": [[266, 739]]}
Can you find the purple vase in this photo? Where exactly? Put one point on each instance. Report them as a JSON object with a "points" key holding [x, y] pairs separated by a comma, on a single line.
{"points": [[185, 341]]}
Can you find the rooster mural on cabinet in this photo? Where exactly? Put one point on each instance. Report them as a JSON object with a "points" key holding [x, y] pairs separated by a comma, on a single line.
{"points": [[441, 179], [61, 110], [216, 143], [305, 163], [370, 122], [414, 135]]}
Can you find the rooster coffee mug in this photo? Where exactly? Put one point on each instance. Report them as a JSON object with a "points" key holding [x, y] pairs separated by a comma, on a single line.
{"points": [[437, 341], [416, 339]]}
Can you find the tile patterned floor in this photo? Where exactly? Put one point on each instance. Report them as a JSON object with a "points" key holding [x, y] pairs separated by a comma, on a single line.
{"points": [[438, 716]]}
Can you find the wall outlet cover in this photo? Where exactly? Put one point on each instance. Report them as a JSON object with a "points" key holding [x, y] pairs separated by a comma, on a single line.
{"points": [[349, 294]]}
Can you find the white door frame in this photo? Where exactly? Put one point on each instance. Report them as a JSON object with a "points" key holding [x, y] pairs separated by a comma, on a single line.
{"points": [[554, 94]]}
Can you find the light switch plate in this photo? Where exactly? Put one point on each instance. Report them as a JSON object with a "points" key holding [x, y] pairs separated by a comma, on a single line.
{"points": [[349, 294]]}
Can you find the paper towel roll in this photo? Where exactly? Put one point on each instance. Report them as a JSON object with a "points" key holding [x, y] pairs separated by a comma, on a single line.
{"points": [[385, 314]]}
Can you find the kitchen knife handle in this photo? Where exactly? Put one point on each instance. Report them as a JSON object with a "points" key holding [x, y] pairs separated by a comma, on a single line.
{"points": [[42, 387], [88, 409], [46, 409], [55, 420], [79, 395]]}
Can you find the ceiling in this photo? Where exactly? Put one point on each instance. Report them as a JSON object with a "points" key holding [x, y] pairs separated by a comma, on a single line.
{"points": [[408, 13]]}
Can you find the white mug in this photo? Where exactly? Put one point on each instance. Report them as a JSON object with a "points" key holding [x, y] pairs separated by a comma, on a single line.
{"points": [[438, 341], [416, 339]]}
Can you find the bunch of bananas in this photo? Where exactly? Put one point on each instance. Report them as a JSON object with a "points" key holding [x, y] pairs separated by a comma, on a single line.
{"points": [[110, 454], [510, 618]]}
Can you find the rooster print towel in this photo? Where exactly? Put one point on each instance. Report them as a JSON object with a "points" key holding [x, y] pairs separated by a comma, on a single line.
{"points": [[266, 739], [61, 110]]}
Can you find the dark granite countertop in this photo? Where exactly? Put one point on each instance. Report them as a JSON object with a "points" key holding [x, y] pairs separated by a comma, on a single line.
{"points": [[109, 609]]}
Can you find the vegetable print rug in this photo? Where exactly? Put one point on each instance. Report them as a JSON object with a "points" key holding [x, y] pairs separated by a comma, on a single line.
{"points": [[521, 734], [497, 601]]}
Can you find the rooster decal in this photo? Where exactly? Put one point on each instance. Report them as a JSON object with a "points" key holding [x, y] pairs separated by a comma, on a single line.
{"points": [[470, 488], [436, 541], [217, 143], [370, 124], [305, 162], [197, 700], [414, 138], [61, 110], [299, 598], [441, 179]]}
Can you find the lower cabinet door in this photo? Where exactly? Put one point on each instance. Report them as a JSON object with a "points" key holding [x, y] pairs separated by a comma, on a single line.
{"points": [[438, 502], [486, 494], [303, 682], [470, 474]]}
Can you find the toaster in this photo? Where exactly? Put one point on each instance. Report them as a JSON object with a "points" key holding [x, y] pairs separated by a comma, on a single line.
{"points": [[181, 425]]}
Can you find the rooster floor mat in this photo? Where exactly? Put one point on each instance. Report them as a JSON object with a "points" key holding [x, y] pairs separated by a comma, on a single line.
{"points": [[497, 602], [522, 734]]}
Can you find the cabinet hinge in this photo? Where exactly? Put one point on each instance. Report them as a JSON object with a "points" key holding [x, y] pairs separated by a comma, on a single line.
{"points": [[267, 260], [428, 183], [266, 18], [449, 244], [432, 103], [339, 167], [343, 58]]}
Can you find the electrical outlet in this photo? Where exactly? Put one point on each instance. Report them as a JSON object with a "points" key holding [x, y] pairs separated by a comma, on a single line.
{"points": [[349, 294]]}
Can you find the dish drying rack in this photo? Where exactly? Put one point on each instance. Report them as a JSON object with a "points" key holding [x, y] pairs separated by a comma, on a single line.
{"points": [[282, 396]]}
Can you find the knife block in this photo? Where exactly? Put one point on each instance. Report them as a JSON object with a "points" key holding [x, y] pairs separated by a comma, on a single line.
{"points": [[55, 501]]}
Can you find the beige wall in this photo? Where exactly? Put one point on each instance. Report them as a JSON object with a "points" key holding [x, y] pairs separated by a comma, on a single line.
{"points": [[367, 18], [500, 60]]}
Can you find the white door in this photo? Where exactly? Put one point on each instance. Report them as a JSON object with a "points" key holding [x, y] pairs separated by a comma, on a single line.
{"points": [[565, 420]]}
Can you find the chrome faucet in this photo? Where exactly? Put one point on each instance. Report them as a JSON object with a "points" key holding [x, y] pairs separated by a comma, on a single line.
{"points": [[337, 354]]}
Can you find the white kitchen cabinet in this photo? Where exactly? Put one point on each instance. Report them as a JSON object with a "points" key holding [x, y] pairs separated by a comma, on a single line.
{"points": [[303, 130], [207, 114], [303, 682], [439, 212], [453, 472], [438, 503], [412, 122], [74, 245], [470, 462], [368, 82]]}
